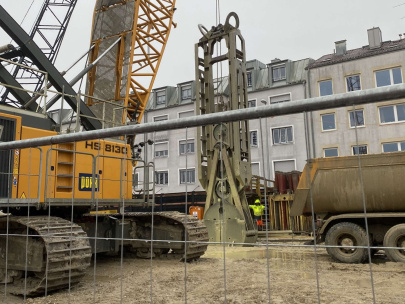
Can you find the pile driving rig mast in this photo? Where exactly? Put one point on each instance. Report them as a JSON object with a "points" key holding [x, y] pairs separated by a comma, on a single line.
{"points": [[223, 149]]}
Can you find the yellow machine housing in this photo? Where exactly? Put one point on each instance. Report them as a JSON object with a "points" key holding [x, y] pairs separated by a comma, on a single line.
{"points": [[94, 169]]}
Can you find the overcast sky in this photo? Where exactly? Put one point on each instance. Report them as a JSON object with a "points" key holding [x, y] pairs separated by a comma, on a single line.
{"points": [[286, 29]]}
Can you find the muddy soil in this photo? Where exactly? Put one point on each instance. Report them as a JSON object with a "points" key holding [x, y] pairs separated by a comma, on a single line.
{"points": [[275, 274]]}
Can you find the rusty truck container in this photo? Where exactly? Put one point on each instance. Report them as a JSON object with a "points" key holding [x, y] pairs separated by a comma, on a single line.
{"points": [[336, 185]]}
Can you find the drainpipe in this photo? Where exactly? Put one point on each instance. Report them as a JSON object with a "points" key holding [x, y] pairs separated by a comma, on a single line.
{"points": [[311, 119]]}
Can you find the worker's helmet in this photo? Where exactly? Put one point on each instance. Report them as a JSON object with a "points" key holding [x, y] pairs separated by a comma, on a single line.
{"points": [[257, 201]]}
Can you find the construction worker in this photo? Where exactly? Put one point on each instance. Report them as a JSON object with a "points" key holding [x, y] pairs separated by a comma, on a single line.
{"points": [[258, 211]]}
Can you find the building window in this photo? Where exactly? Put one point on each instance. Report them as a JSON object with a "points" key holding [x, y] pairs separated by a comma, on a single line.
{"points": [[186, 114], [161, 150], [160, 118], [256, 169], [160, 97], [187, 176], [325, 88], [330, 152], [186, 146], [253, 138], [284, 165], [356, 118], [328, 122], [162, 177], [278, 73], [185, 92], [280, 98], [388, 77], [394, 113], [135, 182], [249, 79], [361, 149], [353, 83], [252, 103], [282, 135], [393, 146]]}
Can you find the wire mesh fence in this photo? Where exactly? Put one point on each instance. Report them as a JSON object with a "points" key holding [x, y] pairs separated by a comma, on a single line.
{"points": [[85, 220]]}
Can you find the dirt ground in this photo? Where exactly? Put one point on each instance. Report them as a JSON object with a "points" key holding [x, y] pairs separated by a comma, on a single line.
{"points": [[275, 274]]}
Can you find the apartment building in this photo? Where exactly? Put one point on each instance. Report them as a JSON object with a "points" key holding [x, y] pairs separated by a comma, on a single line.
{"points": [[277, 143], [379, 126]]}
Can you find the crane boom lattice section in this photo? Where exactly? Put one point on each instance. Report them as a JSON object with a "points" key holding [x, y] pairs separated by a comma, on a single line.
{"points": [[48, 32], [125, 76]]}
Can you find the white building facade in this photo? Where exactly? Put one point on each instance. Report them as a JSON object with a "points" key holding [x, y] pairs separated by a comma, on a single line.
{"points": [[380, 126], [277, 143]]}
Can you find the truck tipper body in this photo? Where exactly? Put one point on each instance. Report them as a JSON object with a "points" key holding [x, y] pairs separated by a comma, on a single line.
{"points": [[345, 193]]}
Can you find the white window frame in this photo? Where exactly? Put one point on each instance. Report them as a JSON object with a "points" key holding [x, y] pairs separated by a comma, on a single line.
{"points": [[187, 169], [249, 84], [274, 96], [278, 67], [250, 139], [392, 142], [158, 143], [395, 114], [158, 117], [358, 126], [256, 163], [183, 88], [273, 167], [161, 171], [187, 142], [250, 100], [319, 87], [348, 76], [282, 127], [391, 76], [330, 148], [189, 111], [135, 178], [158, 103], [334, 113], [359, 145]]}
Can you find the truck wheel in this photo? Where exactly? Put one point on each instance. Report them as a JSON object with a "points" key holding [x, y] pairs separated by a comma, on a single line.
{"points": [[346, 234], [395, 237]]}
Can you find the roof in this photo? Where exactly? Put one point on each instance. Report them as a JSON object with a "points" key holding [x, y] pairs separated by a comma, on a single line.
{"points": [[365, 51]]}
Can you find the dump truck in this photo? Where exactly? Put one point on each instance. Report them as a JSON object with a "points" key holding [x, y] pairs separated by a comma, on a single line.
{"points": [[350, 196]]}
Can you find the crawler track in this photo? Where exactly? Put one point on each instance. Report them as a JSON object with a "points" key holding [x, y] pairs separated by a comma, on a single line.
{"points": [[66, 254], [176, 235]]}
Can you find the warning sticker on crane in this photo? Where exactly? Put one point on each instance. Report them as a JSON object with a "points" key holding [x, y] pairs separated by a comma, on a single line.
{"points": [[23, 195]]}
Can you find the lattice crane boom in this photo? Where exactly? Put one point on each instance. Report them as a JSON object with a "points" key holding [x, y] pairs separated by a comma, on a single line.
{"points": [[126, 76], [48, 32]]}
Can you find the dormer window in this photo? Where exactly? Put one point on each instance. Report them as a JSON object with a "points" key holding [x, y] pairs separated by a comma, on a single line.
{"points": [[249, 79], [160, 97], [186, 92], [278, 72]]}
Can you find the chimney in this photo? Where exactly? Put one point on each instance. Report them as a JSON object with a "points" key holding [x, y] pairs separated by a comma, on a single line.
{"points": [[374, 37], [340, 47]]}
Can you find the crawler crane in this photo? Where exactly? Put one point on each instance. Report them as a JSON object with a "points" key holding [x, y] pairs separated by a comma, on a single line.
{"points": [[63, 202]]}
